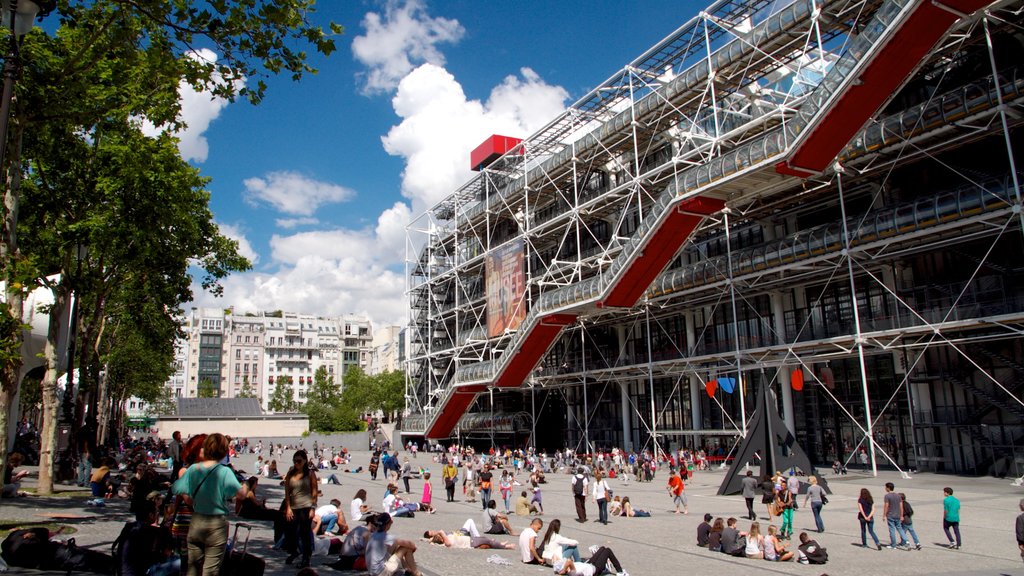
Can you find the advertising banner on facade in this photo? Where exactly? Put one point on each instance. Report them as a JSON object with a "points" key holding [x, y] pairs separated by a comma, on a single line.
{"points": [[506, 288]]}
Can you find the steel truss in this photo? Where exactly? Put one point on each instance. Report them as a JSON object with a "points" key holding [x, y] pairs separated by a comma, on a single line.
{"points": [[727, 82]]}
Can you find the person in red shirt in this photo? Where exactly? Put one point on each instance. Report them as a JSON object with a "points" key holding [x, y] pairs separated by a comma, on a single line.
{"points": [[678, 492]]}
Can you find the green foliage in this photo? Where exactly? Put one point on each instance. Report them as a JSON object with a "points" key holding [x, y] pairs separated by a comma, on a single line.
{"points": [[365, 394], [247, 390], [206, 389], [283, 398], [163, 405], [325, 407]]}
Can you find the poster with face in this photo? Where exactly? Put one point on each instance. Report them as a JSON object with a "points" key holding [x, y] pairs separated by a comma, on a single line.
{"points": [[505, 275]]}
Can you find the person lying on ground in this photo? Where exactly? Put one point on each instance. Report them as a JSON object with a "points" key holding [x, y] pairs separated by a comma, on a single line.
{"points": [[458, 539], [595, 565]]}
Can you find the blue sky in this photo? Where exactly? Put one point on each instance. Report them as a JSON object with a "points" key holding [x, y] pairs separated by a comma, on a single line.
{"points": [[319, 181]]}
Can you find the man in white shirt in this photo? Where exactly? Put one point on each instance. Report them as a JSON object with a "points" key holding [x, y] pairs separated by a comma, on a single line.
{"points": [[329, 517], [528, 543], [387, 555]]}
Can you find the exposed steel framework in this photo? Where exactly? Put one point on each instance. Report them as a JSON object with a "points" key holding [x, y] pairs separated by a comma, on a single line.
{"points": [[749, 111]]}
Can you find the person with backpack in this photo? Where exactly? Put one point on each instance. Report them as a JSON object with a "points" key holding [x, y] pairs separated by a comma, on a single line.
{"points": [[210, 485], [810, 552], [908, 520], [141, 546], [579, 494]]}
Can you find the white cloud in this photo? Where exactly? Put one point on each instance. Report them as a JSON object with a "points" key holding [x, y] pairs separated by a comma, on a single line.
{"points": [[342, 271], [198, 110], [289, 223], [293, 193], [396, 42], [244, 246], [440, 126], [329, 273]]}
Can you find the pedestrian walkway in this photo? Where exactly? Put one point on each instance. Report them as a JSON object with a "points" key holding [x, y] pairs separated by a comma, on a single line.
{"points": [[665, 543]]}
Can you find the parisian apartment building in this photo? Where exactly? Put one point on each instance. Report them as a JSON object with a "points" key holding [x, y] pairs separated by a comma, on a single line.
{"points": [[236, 352]]}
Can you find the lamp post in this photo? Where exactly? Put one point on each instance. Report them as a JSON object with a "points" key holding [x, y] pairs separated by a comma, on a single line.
{"points": [[17, 17]]}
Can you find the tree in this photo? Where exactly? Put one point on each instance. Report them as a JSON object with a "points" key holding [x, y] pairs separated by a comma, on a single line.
{"points": [[324, 390], [206, 389], [384, 392], [283, 398], [115, 60], [326, 408], [247, 389]]}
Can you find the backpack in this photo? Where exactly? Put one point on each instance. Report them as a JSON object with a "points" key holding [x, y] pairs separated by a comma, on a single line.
{"points": [[577, 486], [814, 553], [24, 548], [908, 511]]}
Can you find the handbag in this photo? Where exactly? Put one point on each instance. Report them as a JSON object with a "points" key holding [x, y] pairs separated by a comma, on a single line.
{"points": [[824, 499]]}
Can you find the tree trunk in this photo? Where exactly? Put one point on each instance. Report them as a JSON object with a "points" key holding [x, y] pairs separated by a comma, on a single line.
{"points": [[10, 371], [51, 403]]}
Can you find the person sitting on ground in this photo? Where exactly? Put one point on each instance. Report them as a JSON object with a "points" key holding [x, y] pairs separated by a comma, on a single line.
{"points": [[733, 542], [100, 483], [141, 546], [704, 531], [12, 479], [358, 508], [329, 519], [394, 506], [458, 539], [755, 542], [387, 555], [353, 548], [495, 522], [555, 548], [522, 505], [595, 565], [528, 543], [774, 549], [810, 552], [615, 506], [272, 471], [715, 536]]}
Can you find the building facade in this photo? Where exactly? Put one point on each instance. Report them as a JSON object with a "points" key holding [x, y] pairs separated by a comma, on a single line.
{"points": [[245, 354], [388, 350], [784, 205]]}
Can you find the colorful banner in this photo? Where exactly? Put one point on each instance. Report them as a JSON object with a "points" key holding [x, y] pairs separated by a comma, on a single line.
{"points": [[506, 288]]}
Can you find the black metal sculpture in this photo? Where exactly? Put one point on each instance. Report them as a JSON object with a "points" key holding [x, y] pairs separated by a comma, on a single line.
{"points": [[770, 443]]}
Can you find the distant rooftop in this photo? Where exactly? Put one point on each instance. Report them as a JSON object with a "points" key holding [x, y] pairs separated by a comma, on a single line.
{"points": [[219, 407]]}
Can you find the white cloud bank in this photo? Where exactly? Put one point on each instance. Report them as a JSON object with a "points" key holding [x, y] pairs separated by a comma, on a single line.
{"points": [[293, 193], [339, 271], [198, 110], [395, 42]]}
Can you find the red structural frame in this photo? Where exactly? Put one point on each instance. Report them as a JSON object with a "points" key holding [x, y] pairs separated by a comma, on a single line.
{"points": [[492, 149]]}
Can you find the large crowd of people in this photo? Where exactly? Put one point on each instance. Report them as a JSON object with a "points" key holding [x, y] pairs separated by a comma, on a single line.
{"points": [[181, 517]]}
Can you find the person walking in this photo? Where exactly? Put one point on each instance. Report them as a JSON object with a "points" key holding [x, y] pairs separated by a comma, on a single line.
{"points": [[816, 496], [749, 492], [449, 474], [908, 520], [892, 510], [209, 485], [579, 494], [951, 517], [406, 474], [601, 497], [768, 494], [300, 495], [1020, 529], [677, 491], [485, 485], [866, 515]]}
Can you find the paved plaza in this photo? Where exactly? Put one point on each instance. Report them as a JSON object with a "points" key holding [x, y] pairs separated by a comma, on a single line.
{"points": [[661, 544]]}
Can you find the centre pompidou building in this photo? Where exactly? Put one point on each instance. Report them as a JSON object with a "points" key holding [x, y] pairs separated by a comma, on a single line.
{"points": [[819, 198]]}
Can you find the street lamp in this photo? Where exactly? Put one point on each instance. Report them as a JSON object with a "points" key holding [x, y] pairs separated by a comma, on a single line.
{"points": [[16, 16]]}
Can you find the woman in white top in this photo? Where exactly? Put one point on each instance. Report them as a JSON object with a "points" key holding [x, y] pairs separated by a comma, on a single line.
{"points": [[755, 542], [600, 495], [555, 547], [358, 507]]}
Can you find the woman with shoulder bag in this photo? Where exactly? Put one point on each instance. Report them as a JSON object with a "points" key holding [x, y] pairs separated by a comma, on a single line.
{"points": [[866, 515], [300, 494], [210, 486]]}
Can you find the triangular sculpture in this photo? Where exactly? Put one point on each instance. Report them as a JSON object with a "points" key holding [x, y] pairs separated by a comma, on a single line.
{"points": [[769, 438]]}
